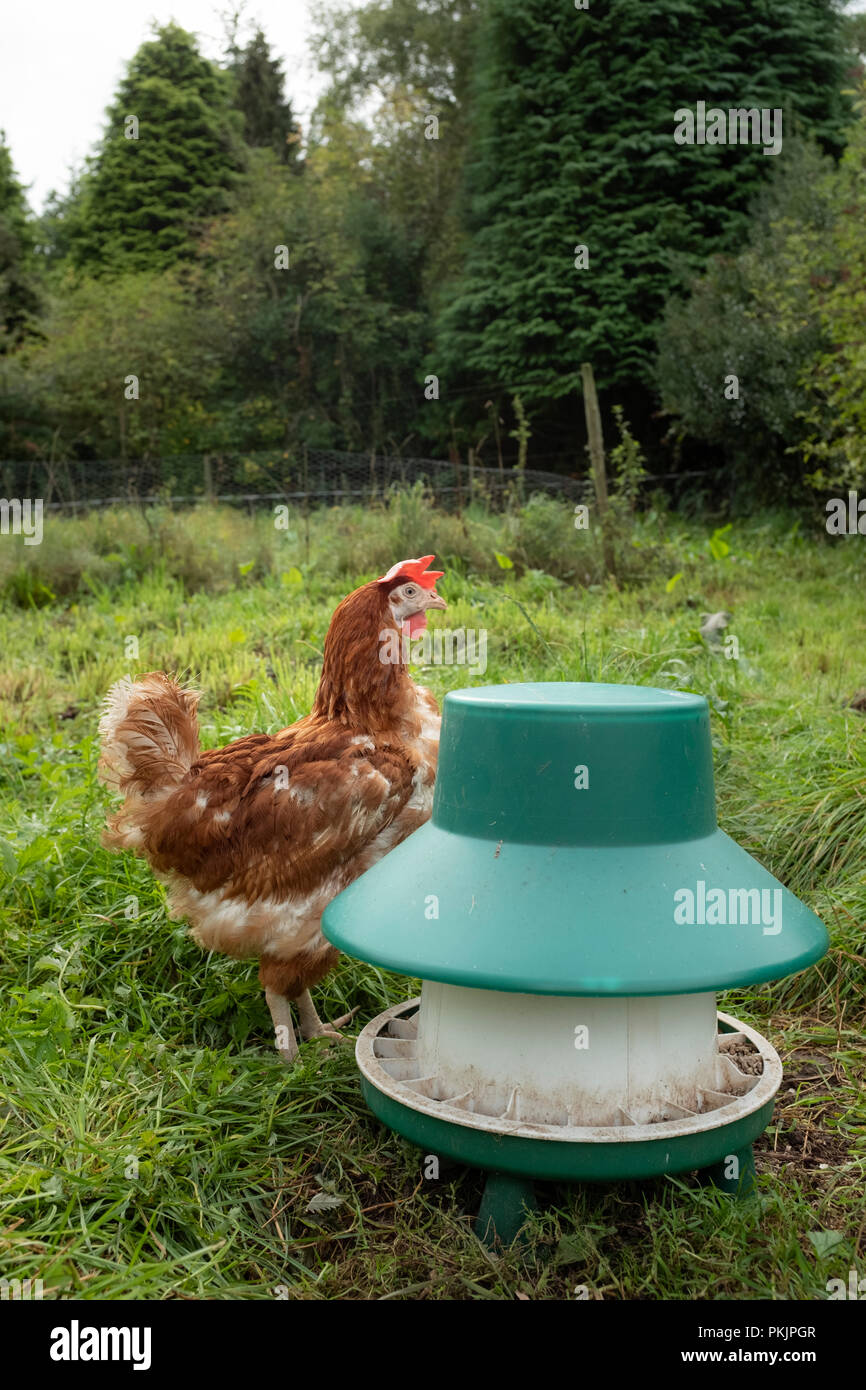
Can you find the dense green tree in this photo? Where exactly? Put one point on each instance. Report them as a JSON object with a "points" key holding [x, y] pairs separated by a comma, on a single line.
{"points": [[19, 295], [787, 316], [573, 145], [734, 353], [406, 66], [168, 158], [55, 226], [319, 337], [294, 323], [260, 97], [833, 384]]}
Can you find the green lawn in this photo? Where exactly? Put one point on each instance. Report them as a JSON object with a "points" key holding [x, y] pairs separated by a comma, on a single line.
{"points": [[151, 1143]]}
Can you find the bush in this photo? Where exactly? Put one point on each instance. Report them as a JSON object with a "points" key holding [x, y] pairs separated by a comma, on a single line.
{"points": [[203, 548]]}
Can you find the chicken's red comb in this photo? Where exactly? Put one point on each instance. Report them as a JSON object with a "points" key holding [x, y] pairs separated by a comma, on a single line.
{"points": [[414, 569]]}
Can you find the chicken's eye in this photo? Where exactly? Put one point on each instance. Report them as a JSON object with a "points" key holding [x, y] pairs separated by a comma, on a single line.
{"points": [[410, 591]]}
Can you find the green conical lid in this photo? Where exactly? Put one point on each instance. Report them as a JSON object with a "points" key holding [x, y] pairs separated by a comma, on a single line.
{"points": [[573, 849]]}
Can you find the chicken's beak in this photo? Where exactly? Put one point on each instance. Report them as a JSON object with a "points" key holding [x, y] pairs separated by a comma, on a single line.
{"points": [[435, 601]]}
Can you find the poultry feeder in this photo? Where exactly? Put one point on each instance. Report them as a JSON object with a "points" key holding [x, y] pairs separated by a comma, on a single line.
{"points": [[572, 909]]}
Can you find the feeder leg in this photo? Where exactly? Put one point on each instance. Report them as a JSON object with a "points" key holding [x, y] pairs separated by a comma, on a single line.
{"points": [[505, 1205], [734, 1174]]}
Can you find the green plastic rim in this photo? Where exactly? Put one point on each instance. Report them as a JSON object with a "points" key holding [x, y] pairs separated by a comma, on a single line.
{"points": [[551, 1161]]}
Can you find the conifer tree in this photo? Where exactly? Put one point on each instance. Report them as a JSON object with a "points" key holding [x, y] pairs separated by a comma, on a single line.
{"points": [[260, 97], [19, 298], [581, 208], [166, 163]]}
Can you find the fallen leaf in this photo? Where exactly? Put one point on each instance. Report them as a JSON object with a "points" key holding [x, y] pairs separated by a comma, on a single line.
{"points": [[324, 1201]]}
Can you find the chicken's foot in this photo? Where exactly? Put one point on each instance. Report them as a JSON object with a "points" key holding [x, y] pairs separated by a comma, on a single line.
{"points": [[311, 1025]]}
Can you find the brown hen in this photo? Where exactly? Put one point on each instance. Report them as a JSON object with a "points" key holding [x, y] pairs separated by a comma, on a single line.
{"points": [[254, 840]]}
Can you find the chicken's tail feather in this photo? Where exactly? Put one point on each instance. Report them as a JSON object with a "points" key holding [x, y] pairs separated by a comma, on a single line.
{"points": [[149, 735]]}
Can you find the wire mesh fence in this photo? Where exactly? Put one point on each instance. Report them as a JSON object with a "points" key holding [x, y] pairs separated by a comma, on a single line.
{"points": [[310, 477], [315, 476]]}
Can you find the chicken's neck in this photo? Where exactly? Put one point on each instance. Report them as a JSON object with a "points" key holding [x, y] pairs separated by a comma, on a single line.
{"points": [[364, 682]]}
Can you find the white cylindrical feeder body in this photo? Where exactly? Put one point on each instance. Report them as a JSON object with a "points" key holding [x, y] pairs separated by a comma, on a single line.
{"points": [[575, 1060]]}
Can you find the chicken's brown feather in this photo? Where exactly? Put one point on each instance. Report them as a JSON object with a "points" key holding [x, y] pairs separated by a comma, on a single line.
{"points": [[278, 840]]}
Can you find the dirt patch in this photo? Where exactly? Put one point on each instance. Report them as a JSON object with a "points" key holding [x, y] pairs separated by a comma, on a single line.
{"points": [[804, 1147], [812, 1077], [814, 1071]]}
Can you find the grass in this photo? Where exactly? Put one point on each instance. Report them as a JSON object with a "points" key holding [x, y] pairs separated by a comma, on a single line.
{"points": [[151, 1144]]}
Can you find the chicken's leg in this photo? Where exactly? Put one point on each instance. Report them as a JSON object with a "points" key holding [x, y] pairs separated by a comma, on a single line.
{"points": [[284, 1029], [311, 1025]]}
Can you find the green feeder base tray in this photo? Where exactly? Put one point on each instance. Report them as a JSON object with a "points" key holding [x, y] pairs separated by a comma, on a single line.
{"points": [[717, 1140]]}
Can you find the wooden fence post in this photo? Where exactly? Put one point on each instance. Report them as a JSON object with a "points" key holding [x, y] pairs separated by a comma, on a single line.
{"points": [[208, 478], [596, 454], [306, 505], [455, 459]]}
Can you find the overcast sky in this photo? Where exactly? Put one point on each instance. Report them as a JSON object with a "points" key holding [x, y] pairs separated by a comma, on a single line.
{"points": [[61, 61]]}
